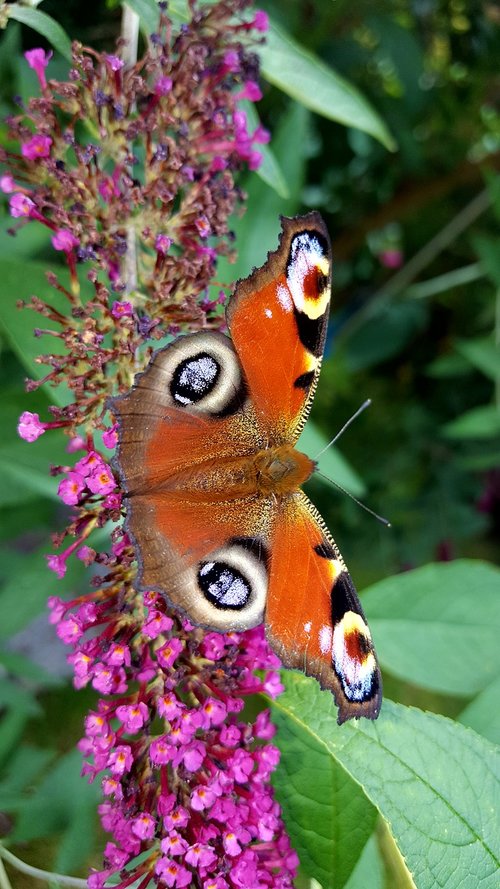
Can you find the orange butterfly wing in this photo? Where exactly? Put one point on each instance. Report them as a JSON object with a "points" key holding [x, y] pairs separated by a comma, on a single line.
{"points": [[314, 620], [278, 319]]}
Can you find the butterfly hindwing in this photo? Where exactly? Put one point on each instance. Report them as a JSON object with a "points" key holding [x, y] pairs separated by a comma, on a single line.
{"points": [[314, 620]]}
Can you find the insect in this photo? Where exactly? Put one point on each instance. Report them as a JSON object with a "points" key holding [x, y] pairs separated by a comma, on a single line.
{"points": [[207, 459]]}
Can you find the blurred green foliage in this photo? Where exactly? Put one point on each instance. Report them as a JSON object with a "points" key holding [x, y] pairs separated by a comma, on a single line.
{"points": [[415, 327]]}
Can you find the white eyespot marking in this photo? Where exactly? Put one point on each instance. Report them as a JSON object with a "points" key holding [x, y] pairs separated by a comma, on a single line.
{"points": [[268, 313], [227, 591], [194, 379], [325, 639], [307, 628], [307, 258], [224, 586], [284, 300], [207, 567], [352, 657], [199, 372]]}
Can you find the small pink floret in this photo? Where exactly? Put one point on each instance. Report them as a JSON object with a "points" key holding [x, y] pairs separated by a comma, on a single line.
{"points": [[21, 205], [29, 426], [37, 147], [64, 240], [38, 59], [7, 184], [261, 21], [57, 564], [70, 488], [122, 309], [163, 86]]}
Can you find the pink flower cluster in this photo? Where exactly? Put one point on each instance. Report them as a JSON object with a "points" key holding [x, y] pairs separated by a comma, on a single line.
{"points": [[185, 779]]}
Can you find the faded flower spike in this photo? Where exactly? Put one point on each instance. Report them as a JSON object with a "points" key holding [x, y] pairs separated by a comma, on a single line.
{"points": [[131, 170]]}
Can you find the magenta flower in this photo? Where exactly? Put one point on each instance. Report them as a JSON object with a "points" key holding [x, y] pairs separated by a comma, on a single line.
{"points": [[261, 21], [163, 86], [7, 184], [391, 258], [21, 205], [64, 240], [30, 427], [70, 488], [38, 59], [101, 480], [186, 781], [37, 147], [122, 309]]}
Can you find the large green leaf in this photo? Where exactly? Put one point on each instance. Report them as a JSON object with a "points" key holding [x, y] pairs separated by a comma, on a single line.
{"points": [[438, 626], [483, 353], [479, 422], [368, 873], [43, 24], [302, 75], [63, 802], [19, 280], [320, 799], [487, 250], [27, 582], [483, 713], [436, 783]]}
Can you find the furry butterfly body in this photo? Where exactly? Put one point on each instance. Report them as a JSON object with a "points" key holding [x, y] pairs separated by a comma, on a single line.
{"points": [[207, 458]]}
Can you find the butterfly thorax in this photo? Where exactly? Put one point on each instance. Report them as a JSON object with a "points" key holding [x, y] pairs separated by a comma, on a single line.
{"points": [[281, 470]]}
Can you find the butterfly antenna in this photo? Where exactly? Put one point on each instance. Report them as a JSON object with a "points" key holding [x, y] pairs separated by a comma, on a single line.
{"points": [[379, 518], [359, 411]]}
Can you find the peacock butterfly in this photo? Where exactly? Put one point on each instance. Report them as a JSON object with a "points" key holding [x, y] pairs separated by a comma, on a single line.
{"points": [[207, 459]]}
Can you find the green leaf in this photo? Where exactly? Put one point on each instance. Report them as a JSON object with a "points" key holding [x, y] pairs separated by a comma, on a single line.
{"points": [[44, 25], [20, 666], [63, 800], [326, 813], [307, 79], [487, 250], [148, 13], [436, 783], [20, 280], [483, 713], [27, 582], [448, 366], [479, 422], [483, 353], [386, 334], [332, 463], [25, 765], [369, 870], [438, 626], [14, 697]]}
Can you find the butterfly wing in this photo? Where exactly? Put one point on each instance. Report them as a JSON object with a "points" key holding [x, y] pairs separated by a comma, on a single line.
{"points": [[186, 430], [278, 320], [314, 619]]}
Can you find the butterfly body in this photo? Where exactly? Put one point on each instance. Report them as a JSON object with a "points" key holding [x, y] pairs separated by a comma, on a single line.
{"points": [[207, 458]]}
